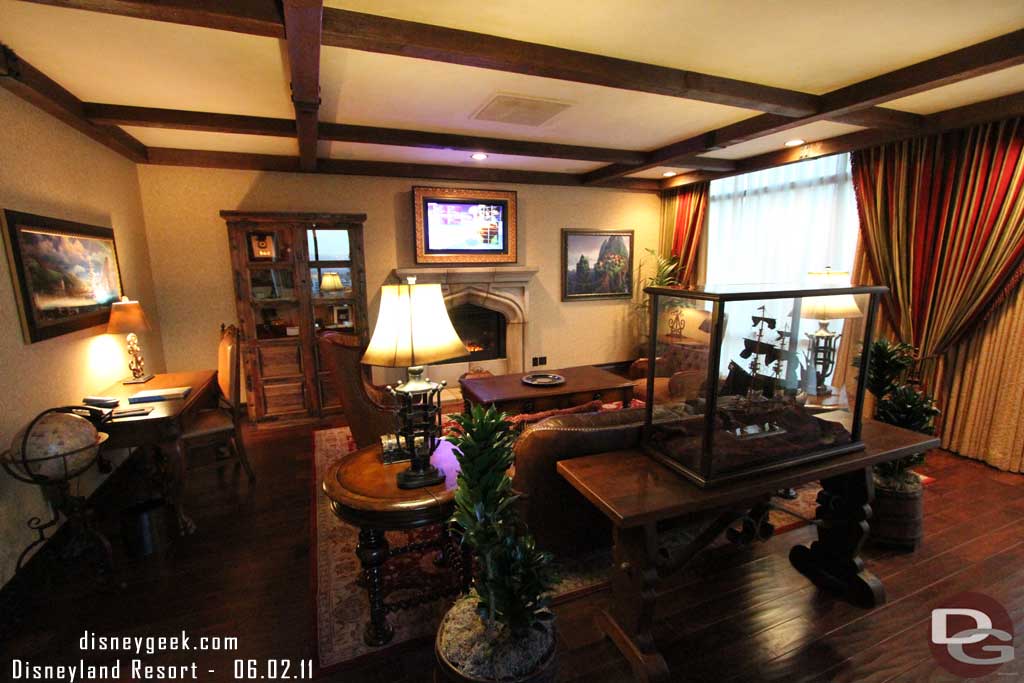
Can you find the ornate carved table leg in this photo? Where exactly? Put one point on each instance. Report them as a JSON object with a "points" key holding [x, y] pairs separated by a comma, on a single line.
{"points": [[833, 561], [372, 552], [629, 619]]}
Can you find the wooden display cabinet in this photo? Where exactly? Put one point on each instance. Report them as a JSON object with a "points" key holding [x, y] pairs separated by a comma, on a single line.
{"points": [[296, 275]]}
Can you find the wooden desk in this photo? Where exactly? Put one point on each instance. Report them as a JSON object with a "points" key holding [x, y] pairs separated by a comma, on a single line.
{"points": [[364, 492], [636, 492], [159, 430], [582, 385]]}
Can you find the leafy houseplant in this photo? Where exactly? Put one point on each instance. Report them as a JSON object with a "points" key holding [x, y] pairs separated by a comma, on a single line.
{"points": [[666, 274], [898, 513], [503, 629]]}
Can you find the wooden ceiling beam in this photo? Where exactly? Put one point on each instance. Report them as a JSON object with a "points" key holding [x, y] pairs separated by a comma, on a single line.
{"points": [[303, 20], [165, 156], [854, 103], [959, 117], [372, 33], [975, 60], [33, 86], [176, 119], [148, 117]]}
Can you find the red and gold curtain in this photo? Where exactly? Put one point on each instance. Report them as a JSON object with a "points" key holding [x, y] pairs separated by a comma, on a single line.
{"points": [[683, 218], [942, 224]]}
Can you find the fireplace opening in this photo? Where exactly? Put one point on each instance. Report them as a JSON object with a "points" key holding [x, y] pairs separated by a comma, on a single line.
{"points": [[481, 329]]}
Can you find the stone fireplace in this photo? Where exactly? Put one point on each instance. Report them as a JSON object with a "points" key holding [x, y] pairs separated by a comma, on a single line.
{"points": [[497, 290]]}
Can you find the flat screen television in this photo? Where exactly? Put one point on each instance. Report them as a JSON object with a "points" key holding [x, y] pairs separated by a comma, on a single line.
{"points": [[456, 225]]}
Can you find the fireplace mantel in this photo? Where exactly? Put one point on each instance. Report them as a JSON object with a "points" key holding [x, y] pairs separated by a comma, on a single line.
{"points": [[501, 289], [476, 275]]}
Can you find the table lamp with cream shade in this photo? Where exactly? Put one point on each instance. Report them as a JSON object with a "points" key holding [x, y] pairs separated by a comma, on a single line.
{"points": [[330, 283], [413, 329], [824, 309], [127, 317]]}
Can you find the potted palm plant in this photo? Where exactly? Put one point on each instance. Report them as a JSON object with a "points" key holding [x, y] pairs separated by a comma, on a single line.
{"points": [[503, 630], [665, 274], [899, 501]]}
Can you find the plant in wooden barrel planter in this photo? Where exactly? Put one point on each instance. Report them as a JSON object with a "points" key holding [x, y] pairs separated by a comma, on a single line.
{"points": [[898, 510], [502, 631]]}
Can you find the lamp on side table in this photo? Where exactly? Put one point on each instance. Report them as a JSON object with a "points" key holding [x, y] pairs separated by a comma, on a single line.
{"points": [[413, 329]]}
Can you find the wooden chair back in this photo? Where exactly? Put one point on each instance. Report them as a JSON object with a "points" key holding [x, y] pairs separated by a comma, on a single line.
{"points": [[229, 371], [370, 411]]}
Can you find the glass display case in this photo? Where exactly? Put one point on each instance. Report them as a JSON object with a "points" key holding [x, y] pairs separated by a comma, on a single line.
{"points": [[740, 378]]}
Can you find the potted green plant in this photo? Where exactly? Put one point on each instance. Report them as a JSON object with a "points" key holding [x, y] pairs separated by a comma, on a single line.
{"points": [[503, 630], [665, 274], [898, 511]]}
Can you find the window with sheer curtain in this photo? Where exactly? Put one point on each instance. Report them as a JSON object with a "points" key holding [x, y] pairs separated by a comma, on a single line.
{"points": [[777, 226]]}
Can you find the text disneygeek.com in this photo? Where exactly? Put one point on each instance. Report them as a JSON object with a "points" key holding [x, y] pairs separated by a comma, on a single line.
{"points": [[132, 664]]}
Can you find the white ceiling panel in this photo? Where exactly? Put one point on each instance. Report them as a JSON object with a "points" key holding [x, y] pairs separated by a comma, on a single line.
{"points": [[660, 171], [812, 132], [997, 84], [448, 157], [806, 45], [384, 90], [214, 142], [121, 60]]}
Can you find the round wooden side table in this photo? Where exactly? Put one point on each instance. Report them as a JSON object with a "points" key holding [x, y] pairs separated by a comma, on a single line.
{"points": [[363, 492]]}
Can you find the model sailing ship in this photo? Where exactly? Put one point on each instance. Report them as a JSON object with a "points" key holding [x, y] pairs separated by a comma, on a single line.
{"points": [[757, 412]]}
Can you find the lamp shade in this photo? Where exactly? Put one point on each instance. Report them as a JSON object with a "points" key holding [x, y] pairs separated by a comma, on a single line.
{"points": [[835, 306], [331, 282], [413, 328], [127, 316]]}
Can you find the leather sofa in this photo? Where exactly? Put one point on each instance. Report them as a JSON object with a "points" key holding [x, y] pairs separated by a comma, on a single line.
{"points": [[679, 373], [561, 520]]}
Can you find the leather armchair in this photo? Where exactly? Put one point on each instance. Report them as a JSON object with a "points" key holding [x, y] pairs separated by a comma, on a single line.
{"points": [[559, 517], [679, 373], [370, 410]]}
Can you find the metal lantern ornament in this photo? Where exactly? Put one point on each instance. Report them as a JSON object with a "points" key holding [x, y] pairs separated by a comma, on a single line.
{"points": [[413, 329]]}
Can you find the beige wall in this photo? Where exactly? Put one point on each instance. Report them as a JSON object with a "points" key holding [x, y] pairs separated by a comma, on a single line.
{"points": [[50, 169], [192, 269]]}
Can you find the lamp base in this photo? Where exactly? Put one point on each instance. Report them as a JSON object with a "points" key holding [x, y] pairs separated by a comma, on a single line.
{"points": [[417, 479], [138, 380]]}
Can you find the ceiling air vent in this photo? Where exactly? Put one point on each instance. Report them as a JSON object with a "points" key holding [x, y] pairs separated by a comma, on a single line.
{"points": [[521, 111]]}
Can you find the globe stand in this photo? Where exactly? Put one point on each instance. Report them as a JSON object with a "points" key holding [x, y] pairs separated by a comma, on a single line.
{"points": [[56, 487]]}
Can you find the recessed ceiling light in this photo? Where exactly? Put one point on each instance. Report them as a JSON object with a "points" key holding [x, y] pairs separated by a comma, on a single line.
{"points": [[668, 174], [794, 143], [479, 156]]}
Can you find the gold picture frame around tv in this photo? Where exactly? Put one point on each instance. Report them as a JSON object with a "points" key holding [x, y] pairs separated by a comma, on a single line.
{"points": [[464, 226]]}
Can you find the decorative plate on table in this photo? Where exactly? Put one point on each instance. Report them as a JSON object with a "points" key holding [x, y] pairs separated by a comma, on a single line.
{"points": [[543, 379]]}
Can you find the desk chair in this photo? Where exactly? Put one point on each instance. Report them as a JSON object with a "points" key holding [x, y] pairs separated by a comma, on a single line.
{"points": [[221, 427]]}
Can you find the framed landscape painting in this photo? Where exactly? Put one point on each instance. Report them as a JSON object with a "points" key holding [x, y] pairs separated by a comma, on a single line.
{"points": [[597, 264], [66, 274]]}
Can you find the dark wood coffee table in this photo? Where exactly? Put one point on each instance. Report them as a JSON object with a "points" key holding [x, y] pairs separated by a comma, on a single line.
{"points": [[582, 385], [636, 492]]}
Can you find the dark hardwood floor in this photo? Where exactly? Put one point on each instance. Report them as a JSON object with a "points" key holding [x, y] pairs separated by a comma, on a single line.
{"points": [[737, 615]]}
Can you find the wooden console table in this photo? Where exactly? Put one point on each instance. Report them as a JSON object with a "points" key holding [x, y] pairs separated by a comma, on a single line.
{"points": [[636, 492], [363, 492], [582, 385]]}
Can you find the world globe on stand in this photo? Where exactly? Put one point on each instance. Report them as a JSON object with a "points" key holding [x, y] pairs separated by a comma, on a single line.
{"points": [[60, 446]]}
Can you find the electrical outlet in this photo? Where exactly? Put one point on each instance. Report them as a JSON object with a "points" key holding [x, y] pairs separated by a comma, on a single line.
{"points": [[535, 361], [543, 360]]}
